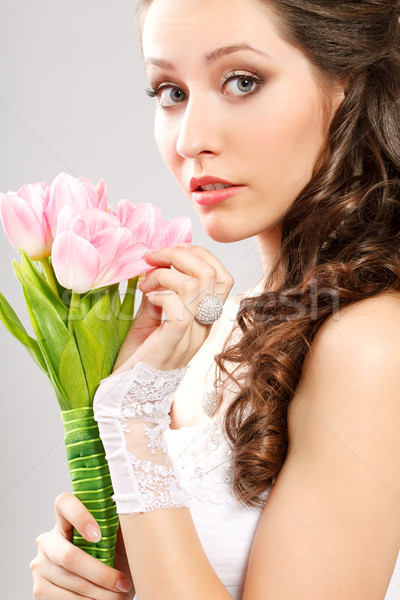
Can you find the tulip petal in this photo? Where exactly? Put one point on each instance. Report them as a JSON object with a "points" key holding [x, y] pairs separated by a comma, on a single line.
{"points": [[66, 190], [76, 262], [109, 244], [65, 219], [37, 195], [91, 192], [144, 220], [176, 230], [128, 263], [124, 210], [102, 194], [22, 226], [89, 223]]}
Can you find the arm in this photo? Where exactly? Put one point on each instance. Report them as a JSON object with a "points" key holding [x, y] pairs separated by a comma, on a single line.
{"points": [[132, 412], [331, 527], [61, 570]]}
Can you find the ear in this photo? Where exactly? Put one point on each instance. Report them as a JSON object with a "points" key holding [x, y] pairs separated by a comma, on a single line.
{"points": [[339, 93]]}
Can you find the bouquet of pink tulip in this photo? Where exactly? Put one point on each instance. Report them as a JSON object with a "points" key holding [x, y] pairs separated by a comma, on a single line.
{"points": [[75, 251]]}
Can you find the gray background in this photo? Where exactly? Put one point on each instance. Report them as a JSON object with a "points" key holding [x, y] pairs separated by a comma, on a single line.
{"points": [[71, 99]]}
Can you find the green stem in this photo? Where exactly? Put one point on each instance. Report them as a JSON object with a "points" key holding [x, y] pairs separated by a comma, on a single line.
{"points": [[73, 309], [91, 481], [125, 315], [48, 274]]}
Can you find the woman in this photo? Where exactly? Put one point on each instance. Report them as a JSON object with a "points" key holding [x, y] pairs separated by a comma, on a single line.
{"points": [[294, 106]]}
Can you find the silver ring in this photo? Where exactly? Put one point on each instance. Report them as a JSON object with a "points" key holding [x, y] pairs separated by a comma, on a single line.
{"points": [[209, 310]]}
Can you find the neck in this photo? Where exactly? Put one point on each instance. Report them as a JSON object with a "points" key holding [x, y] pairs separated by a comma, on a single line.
{"points": [[269, 243]]}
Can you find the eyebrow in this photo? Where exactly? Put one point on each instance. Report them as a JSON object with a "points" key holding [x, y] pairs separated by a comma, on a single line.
{"points": [[209, 58]]}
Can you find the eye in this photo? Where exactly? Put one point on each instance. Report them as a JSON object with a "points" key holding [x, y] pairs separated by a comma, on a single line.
{"points": [[171, 95], [168, 95], [240, 84]]}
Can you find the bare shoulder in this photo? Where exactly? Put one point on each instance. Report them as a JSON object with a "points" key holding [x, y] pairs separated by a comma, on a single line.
{"points": [[331, 526], [356, 348], [360, 330], [350, 385]]}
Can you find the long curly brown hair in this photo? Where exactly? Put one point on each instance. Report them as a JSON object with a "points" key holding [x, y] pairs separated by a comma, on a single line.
{"points": [[340, 238]]}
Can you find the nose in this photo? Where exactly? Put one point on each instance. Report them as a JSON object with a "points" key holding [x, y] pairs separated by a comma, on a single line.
{"points": [[200, 130]]}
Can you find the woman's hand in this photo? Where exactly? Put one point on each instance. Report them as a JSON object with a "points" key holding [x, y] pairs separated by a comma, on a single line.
{"points": [[170, 344], [61, 571]]}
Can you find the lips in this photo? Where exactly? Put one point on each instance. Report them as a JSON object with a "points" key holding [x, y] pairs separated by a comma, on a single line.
{"points": [[209, 198], [197, 184]]}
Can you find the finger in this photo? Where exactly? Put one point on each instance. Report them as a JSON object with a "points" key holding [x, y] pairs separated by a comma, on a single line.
{"points": [[45, 590], [177, 315], [146, 321], [176, 337], [185, 286], [59, 552], [68, 582], [147, 317], [188, 288], [187, 262], [70, 513], [224, 278]]}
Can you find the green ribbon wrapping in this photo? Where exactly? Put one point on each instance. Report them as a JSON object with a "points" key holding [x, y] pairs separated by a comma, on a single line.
{"points": [[91, 481]]}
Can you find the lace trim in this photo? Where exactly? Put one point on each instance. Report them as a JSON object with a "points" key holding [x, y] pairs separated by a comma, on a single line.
{"points": [[156, 436], [144, 418], [158, 485], [204, 462], [149, 397]]}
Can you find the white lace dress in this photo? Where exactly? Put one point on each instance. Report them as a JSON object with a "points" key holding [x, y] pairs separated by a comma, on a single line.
{"points": [[201, 455], [203, 459], [226, 530]]}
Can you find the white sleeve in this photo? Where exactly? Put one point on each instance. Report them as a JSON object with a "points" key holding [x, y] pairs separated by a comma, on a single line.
{"points": [[132, 411]]}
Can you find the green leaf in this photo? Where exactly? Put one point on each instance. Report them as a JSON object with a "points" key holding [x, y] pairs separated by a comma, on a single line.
{"points": [[62, 291], [102, 323], [30, 273], [62, 397], [17, 270], [72, 377], [85, 305], [15, 327], [49, 327], [125, 315], [92, 356], [115, 299], [98, 290]]}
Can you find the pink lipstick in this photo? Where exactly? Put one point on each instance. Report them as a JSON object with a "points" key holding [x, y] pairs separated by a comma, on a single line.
{"points": [[215, 196], [208, 197]]}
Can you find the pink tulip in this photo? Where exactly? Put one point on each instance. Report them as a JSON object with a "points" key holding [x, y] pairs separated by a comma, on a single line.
{"points": [[148, 226], [93, 249], [24, 217], [78, 193]]}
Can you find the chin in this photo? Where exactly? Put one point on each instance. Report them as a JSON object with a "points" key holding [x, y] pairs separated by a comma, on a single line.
{"points": [[224, 234]]}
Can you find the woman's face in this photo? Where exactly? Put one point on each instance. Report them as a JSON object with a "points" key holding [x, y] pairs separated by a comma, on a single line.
{"points": [[235, 102]]}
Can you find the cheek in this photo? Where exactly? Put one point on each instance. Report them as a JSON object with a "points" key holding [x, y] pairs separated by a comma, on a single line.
{"points": [[165, 140], [287, 133], [297, 126]]}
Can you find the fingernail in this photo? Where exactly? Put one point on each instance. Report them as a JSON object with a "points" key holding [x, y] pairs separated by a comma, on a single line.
{"points": [[153, 251], [123, 585], [151, 295], [93, 532]]}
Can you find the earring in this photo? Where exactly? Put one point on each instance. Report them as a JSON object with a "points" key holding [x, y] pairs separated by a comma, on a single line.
{"points": [[209, 402]]}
